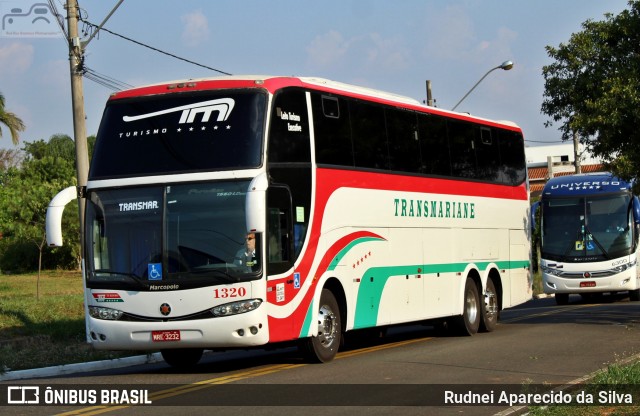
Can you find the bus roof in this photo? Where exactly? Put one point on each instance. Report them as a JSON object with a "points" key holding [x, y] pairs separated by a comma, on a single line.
{"points": [[584, 184], [272, 83]]}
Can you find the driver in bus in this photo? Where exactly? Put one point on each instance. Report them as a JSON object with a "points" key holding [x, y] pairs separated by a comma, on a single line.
{"points": [[246, 256]]}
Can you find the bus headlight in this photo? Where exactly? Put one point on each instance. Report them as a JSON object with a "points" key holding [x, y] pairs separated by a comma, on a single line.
{"points": [[235, 308], [624, 267], [106, 314], [549, 270]]}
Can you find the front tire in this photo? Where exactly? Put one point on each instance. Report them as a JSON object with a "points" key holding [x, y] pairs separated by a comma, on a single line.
{"points": [[469, 322], [182, 357], [324, 346]]}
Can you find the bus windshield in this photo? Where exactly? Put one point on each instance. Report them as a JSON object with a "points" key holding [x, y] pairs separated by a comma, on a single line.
{"points": [[177, 133], [203, 240], [586, 229]]}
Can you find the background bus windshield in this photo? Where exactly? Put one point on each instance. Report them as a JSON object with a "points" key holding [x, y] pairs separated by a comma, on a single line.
{"points": [[586, 229], [176, 133]]}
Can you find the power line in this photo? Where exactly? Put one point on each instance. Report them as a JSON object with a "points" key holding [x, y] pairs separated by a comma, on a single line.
{"points": [[540, 141], [104, 80], [153, 48]]}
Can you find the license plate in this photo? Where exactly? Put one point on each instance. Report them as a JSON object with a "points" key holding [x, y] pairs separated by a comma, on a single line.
{"points": [[587, 284], [164, 336]]}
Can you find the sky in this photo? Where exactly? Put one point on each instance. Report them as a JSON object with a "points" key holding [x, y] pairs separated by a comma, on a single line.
{"points": [[394, 46]]}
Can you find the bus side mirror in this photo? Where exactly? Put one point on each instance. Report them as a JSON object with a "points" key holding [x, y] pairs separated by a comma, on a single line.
{"points": [[636, 210], [256, 204], [534, 210], [54, 215]]}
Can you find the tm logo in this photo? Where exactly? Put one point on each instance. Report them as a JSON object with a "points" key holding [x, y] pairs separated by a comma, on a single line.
{"points": [[223, 106]]}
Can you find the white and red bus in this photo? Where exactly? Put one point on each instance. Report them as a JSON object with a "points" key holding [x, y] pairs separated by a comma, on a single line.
{"points": [[365, 209]]}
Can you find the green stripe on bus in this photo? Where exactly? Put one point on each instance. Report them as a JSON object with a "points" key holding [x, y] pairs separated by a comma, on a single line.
{"points": [[375, 279], [306, 325]]}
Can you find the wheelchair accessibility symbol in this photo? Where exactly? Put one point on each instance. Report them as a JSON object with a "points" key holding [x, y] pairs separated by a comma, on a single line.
{"points": [[154, 271]]}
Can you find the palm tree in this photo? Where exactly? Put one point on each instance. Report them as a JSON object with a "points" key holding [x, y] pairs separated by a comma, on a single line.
{"points": [[10, 120]]}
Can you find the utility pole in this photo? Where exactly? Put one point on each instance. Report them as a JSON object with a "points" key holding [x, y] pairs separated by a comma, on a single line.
{"points": [[76, 57], [76, 63], [576, 152], [429, 94]]}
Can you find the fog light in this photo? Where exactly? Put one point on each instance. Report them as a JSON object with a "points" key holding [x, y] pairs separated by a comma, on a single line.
{"points": [[253, 330], [241, 332]]}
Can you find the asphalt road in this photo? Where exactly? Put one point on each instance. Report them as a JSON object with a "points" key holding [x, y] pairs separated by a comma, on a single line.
{"points": [[406, 372]]}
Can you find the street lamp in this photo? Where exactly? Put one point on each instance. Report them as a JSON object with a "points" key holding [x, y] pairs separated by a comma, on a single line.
{"points": [[506, 65]]}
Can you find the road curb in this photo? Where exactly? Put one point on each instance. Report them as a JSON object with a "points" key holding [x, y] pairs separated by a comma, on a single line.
{"points": [[59, 370]]}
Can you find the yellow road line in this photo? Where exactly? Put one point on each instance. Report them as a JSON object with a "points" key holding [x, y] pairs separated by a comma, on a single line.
{"points": [[199, 385], [175, 391]]}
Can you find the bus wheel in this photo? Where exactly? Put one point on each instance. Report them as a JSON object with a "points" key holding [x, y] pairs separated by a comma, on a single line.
{"points": [[562, 298], [634, 295], [469, 322], [324, 346], [491, 308], [182, 357]]}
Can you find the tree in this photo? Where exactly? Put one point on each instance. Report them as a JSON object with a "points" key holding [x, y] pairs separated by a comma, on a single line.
{"points": [[13, 122], [9, 158], [26, 192], [593, 89]]}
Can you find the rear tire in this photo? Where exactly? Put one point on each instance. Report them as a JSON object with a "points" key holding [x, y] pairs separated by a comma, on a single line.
{"points": [[490, 309], [323, 347], [182, 357], [469, 322]]}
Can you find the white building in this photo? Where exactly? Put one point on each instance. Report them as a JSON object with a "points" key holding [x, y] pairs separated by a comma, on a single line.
{"points": [[556, 160]]}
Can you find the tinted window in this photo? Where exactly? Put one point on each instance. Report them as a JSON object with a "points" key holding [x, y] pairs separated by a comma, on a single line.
{"points": [[461, 140], [332, 130], [487, 154], [289, 135], [404, 143], [183, 132], [351, 132], [512, 159], [369, 135], [434, 145]]}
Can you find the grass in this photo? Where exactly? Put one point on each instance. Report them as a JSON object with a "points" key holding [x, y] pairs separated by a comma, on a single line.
{"points": [[42, 323], [617, 377]]}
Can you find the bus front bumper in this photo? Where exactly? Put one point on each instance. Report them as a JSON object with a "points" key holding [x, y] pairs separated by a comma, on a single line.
{"points": [[243, 330]]}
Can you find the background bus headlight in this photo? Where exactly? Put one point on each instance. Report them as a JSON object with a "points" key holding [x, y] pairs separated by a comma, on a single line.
{"points": [[235, 308], [107, 314], [549, 270], [624, 267]]}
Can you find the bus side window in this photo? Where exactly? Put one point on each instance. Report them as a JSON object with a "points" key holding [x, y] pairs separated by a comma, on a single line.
{"points": [[279, 230]]}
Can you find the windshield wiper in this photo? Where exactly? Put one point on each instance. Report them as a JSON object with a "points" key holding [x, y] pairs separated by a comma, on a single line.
{"points": [[595, 240]]}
